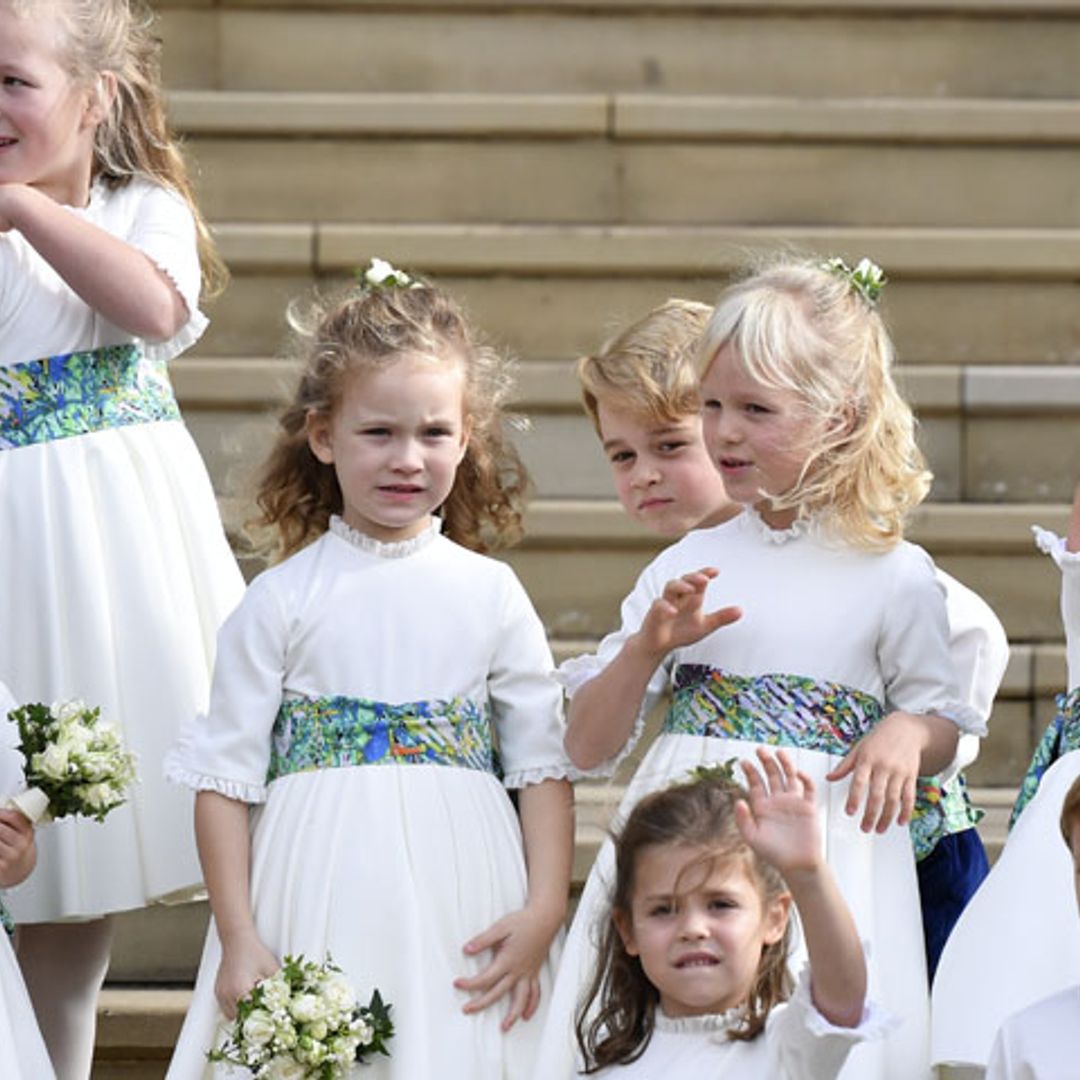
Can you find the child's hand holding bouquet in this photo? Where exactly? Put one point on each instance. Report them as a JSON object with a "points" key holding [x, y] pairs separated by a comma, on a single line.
{"points": [[75, 763], [303, 1023]]}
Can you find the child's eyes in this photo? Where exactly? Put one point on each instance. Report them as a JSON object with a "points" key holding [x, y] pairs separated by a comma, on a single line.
{"points": [[438, 432], [759, 410], [621, 457], [660, 910], [14, 80], [672, 447], [712, 405]]}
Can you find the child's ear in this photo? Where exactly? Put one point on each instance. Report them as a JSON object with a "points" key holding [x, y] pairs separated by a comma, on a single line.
{"points": [[776, 918], [102, 96], [318, 436], [625, 927]]}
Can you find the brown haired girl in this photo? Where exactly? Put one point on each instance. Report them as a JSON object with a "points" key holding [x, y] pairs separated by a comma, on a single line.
{"points": [[361, 691]]}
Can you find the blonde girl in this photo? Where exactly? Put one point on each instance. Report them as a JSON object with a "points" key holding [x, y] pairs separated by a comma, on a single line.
{"points": [[798, 620], [362, 691], [116, 572], [691, 977]]}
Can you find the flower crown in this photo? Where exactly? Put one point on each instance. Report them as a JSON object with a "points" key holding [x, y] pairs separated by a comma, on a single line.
{"points": [[867, 278], [718, 771], [383, 275]]}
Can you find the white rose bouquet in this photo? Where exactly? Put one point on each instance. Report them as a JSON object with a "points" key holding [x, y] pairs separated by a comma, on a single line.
{"points": [[75, 763], [304, 1023]]}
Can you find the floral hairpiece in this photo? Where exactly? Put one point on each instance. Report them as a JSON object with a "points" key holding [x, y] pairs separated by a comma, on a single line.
{"points": [[868, 279], [718, 770], [383, 275]]}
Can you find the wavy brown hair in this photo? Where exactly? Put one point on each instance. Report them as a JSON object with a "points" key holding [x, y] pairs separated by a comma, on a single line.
{"points": [[617, 1017], [116, 36], [797, 327], [649, 367], [372, 328]]}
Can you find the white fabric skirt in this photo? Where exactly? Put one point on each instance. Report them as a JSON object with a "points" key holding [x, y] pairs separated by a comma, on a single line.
{"points": [[115, 577], [389, 869], [1018, 940], [22, 1053], [876, 875]]}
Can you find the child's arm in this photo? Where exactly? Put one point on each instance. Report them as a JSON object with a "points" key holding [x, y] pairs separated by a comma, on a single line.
{"points": [[221, 830], [884, 765], [780, 824], [18, 852], [115, 279], [520, 941], [601, 714]]}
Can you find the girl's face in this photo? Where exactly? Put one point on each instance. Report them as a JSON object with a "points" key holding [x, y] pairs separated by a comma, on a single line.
{"points": [[699, 927], [395, 441], [759, 437], [47, 121], [663, 474]]}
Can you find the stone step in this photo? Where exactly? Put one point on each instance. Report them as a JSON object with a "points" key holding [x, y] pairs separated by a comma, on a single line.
{"points": [[999, 434], [898, 48], [631, 159], [956, 296]]}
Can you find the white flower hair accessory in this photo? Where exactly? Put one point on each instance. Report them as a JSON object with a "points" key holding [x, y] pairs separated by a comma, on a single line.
{"points": [[867, 278], [383, 275]]}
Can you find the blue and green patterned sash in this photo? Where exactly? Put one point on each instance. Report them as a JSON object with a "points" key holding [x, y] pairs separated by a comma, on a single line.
{"points": [[336, 732], [82, 392], [1059, 739], [800, 712], [7, 923]]}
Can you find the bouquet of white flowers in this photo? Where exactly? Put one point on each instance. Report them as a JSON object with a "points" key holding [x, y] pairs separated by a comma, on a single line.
{"points": [[75, 764], [303, 1023]]}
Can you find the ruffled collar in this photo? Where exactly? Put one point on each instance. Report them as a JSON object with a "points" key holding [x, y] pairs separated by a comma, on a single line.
{"points": [[394, 549], [709, 1024], [753, 521]]}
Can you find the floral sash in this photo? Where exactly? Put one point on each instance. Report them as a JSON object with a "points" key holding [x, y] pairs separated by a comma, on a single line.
{"points": [[1059, 739], [82, 392], [796, 711], [336, 732]]}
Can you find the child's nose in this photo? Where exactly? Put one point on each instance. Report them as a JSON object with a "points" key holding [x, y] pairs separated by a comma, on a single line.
{"points": [[693, 924], [646, 474], [407, 456]]}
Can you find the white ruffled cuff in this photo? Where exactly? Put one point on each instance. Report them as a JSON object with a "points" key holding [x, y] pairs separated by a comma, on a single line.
{"points": [[187, 335], [179, 771], [527, 777], [574, 673], [876, 1022], [1049, 543]]}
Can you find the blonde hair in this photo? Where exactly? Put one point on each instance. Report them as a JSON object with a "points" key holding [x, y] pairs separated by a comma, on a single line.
{"points": [[648, 368], [371, 329], [116, 36], [797, 327], [697, 815]]}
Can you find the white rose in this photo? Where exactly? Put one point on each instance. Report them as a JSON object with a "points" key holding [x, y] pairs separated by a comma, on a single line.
{"points": [[379, 271], [258, 1027], [363, 1031], [307, 1008], [338, 993], [275, 993], [67, 710], [285, 1069], [97, 796], [74, 738], [51, 762]]}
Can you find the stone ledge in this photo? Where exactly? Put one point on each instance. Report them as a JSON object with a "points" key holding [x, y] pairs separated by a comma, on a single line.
{"points": [[140, 1018]]}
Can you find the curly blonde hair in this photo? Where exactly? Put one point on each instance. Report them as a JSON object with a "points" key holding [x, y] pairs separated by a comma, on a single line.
{"points": [[798, 327], [649, 367], [370, 329], [618, 1014], [116, 36]]}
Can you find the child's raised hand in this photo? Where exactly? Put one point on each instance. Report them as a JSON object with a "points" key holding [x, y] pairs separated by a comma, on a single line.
{"points": [[519, 944], [18, 852], [675, 618], [244, 962], [780, 819], [883, 766]]}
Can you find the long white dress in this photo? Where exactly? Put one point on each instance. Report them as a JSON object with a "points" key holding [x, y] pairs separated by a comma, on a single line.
{"points": [[116, 573], [391, 865], [22, 1053], [1023, 920], [798, 1043], [826, 631], [1040, 1043]]}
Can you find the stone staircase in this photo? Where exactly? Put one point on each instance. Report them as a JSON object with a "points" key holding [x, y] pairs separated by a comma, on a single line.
{"points": [[562, 166]]}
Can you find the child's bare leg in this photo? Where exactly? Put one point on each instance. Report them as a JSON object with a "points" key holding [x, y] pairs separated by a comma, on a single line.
{"points": [[64, 965]]}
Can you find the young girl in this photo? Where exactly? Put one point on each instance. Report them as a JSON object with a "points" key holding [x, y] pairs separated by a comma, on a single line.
{"points": [[116, 572], [838, 615], [362, 691], [1023, 920], [692, 974], [22, 1052]]}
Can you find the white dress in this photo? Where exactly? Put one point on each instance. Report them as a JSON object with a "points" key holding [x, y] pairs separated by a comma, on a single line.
{"points": [[390, 867], [116, 572], [1040, 1043], [22, 1053], [1027, 906], [862, 628], [798, 1043]]}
